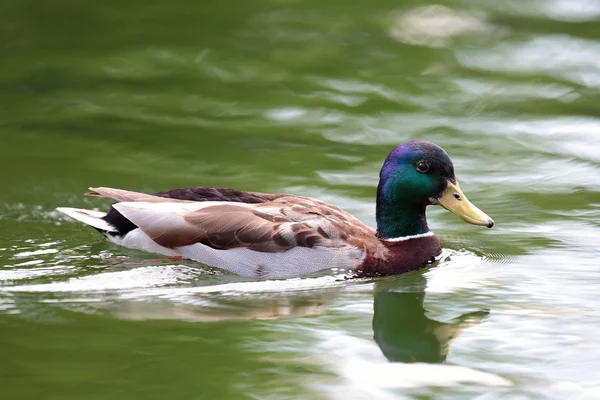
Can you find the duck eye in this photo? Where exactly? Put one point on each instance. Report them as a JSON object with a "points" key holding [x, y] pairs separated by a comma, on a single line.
{"points": [[422, 166]]}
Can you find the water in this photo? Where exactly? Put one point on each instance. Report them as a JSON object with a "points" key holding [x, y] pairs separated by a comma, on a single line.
{"points": [[305, 97]]}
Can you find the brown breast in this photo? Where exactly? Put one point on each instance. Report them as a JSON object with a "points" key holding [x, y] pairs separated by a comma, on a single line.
{"points": [[401, 256]]}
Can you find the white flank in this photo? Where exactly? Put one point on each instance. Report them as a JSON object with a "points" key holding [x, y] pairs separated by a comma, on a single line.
{"points": [[90, 217], [403, 238], [137, 239], [245, 262], [287, 264]]}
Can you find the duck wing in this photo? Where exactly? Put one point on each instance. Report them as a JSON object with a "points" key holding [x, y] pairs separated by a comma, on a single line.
{"points": [[121, 225], [273, 223]]}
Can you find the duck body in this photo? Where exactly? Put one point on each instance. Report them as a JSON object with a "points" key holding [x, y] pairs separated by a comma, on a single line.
{"points": [[283, 235]]}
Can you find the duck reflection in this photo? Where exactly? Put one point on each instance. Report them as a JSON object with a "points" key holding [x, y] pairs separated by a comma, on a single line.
{"points": [[402, 329]]}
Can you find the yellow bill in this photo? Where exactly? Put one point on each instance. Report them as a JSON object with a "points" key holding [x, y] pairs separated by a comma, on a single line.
{"points": [[454, 200]]}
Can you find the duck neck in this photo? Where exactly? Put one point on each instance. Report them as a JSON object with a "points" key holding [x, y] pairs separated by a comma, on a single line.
{"points": [[396, 219]]}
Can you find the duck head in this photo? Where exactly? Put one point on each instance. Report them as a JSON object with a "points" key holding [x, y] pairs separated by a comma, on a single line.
{"points": [[417, 174]]}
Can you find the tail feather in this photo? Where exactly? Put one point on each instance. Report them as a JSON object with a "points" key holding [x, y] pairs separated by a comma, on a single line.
{"points": [[90, 217]]}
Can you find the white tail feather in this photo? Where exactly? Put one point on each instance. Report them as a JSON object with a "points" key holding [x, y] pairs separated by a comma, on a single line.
{"points": [[90, 217]]}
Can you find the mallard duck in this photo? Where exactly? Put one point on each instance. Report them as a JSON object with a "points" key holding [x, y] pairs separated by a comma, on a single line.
{"points": [[284, 235]]}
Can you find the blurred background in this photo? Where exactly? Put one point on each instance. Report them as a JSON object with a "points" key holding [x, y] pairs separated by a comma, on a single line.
{"points": [[307, 97]]}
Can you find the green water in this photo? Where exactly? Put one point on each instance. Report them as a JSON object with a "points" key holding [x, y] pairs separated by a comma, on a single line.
{"points": [[306, 97]]}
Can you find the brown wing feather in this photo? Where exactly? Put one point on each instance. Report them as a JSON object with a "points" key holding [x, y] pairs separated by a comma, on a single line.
{"points": [[281, 224], [273, 223], [228, 226]]}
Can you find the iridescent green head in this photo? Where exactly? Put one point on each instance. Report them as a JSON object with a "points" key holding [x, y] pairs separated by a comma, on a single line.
{"points": [[415, 175]]}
